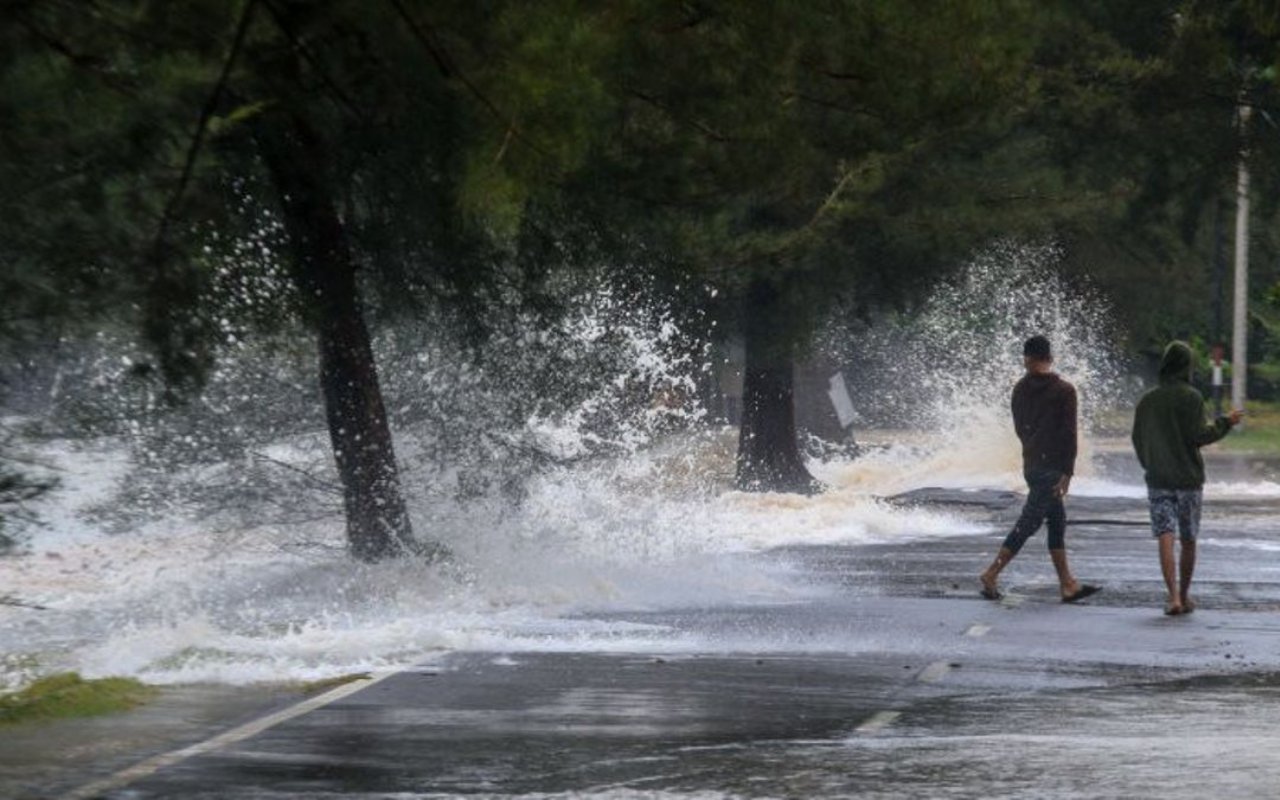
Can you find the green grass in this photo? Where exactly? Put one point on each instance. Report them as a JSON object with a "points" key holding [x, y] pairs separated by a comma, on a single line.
{"points": [[316, 687], [1259, 436], [68, 695], [1261, 432]]}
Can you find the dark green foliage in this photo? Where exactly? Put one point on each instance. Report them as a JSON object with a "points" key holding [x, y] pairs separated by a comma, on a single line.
{"points": [[1146, 114], [798, 146], [858, 146], [474, 156]]}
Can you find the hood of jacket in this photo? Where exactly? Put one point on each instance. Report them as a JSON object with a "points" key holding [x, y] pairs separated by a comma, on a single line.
{"points": [[1175, 364]]}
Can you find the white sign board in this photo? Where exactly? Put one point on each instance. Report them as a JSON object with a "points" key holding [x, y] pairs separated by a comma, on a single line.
{"points": [[839, 394]]}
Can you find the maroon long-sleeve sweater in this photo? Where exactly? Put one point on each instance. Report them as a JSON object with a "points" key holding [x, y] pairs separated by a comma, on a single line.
{"points": [[1044, 415]]}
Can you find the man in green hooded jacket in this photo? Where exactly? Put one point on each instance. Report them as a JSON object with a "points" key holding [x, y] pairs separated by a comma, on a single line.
{"points": [[1169, 428]]}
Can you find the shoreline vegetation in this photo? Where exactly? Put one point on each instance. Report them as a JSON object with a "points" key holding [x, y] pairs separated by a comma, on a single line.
{"points": [[68, 695]]}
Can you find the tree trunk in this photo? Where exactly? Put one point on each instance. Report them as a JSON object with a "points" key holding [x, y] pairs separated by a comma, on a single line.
{"points": [[325, 273], [769, 457]]}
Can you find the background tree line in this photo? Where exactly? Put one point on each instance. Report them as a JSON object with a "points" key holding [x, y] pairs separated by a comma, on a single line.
{"points": [[398, 158]]}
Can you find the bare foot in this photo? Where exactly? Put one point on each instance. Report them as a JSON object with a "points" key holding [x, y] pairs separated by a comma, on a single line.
{"points": [[989, 588], [1188, 605], [1172, 609]]}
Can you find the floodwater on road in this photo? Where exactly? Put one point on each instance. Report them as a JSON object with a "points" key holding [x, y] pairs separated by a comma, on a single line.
{"points": [[896, 681], [832, 646]]}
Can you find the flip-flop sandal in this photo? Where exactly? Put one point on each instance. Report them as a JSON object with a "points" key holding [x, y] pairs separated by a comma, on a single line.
{"points": [[1188, 607], [1085, 590], [1173, 611], [991, 593]]}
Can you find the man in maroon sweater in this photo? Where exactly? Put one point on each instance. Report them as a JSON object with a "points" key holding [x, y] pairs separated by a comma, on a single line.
{"points": [[1044, 416]]}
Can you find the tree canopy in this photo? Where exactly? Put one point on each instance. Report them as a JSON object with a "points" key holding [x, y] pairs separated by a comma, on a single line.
{"points": [[203, 170]]}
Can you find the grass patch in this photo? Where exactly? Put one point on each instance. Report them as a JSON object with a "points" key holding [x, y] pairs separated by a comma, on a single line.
{"points": [[1261, 433], [68, 695], [324, 685]]}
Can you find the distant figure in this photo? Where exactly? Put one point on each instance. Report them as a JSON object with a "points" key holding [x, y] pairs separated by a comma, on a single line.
{"points": [[1169, 428], [1044, 416]]}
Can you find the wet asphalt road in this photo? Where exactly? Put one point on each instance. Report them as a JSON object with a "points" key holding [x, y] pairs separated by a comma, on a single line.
{"points": [[898, 681]]}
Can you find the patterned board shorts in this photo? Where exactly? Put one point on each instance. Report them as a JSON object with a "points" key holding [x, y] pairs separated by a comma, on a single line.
{"points": [[1175, 510]]}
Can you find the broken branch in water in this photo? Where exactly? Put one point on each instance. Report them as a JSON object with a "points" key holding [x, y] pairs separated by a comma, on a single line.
{"points": [[318, 482], [9, 600]]}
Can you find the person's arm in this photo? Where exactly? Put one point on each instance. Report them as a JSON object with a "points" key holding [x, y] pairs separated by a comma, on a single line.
{"points": [[1070, 429], [1136, 436], [1066, 424], [1199, 429], [1015, 409]]}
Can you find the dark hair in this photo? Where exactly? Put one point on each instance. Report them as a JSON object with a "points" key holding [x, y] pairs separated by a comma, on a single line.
{"points": [[1037, 347]]}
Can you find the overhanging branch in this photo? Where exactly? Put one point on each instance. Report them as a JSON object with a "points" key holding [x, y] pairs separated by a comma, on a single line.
{"points": [[202, 126], [449, 71]]}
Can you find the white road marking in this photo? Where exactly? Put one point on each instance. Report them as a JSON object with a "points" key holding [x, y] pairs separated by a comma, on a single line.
{"points": [[879, 721], [156, 763], [977, 629], [934, 672]]}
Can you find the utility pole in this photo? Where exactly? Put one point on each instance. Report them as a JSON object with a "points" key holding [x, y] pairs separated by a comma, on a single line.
{"points": [[1219, 266], [1240, 322]]}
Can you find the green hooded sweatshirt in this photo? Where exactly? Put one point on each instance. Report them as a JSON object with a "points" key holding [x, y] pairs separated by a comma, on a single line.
{"points": [[1170, 427]]}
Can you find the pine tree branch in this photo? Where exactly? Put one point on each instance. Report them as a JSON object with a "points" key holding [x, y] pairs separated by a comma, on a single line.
{"points": [[438, 55], [94, 65], [10, 600], [319, 483], [312, 61], [425, 36], [832, 105], [202, 126], [702, 128]]}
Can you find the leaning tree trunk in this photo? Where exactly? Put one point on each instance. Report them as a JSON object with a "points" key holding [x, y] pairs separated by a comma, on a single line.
{"points": [[769, 457], [325, 274]]}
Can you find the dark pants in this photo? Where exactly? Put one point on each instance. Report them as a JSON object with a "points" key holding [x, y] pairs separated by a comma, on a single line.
{"points": [[1041, 505]]}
